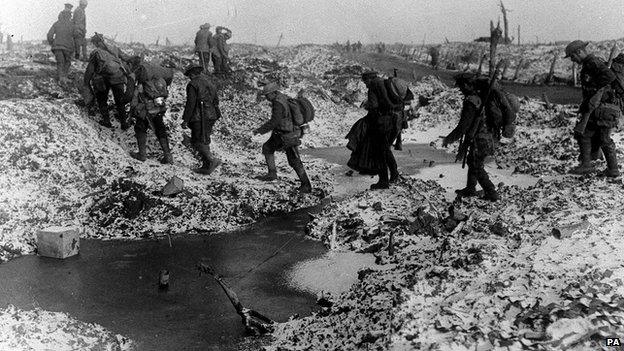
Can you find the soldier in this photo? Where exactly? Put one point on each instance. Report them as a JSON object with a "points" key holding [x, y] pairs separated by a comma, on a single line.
{"points": [[61, 38], [202, 45], [221, 37], [384, 125], [200, 114], [149, 106], [106, 72], [68, 8], [434, 52], [599, 114], [80, 23], [474, 131], [285, 136]]}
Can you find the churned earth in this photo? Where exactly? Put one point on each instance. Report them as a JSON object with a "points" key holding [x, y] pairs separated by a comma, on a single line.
{"points": [[538, 270]]}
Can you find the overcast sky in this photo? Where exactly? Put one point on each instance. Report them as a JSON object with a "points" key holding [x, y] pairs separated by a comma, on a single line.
{"points": [[325, 21]]}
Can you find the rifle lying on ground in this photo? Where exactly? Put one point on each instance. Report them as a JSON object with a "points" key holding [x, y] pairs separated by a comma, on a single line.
{"points": [[465, 144], [255, 323]]}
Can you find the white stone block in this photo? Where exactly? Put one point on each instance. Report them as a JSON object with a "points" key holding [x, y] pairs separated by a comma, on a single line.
{"points": [[58, 242]]}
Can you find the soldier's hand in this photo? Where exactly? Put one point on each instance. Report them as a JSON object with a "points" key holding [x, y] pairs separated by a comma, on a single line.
{"points": [[184, 125]]}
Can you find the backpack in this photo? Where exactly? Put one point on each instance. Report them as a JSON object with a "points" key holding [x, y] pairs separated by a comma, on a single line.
{"points": [[155, 88], [501, 112], [108, 65], [398, 90], [617, 67], [301, 110]]}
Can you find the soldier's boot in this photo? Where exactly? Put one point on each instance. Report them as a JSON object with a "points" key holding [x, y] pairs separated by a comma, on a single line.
{"points": [[105, 121], [585, 166], [209, 163], [489, 190], [612, 170], [596, 155], [470, 189], [272, 174], [141, 155], [167, 157], [383, 183], [394, 170], [306, 186]]}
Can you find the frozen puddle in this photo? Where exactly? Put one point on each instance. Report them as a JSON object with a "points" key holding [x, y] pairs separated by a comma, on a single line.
{"points": [[333, 272], [452, 177]]}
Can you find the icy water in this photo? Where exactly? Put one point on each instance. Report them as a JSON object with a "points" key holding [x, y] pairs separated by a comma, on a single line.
{"points": [[115, 283]]}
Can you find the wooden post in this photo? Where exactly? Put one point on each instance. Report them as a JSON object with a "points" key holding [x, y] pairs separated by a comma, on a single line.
{"points": [[612, 54], [518, 68], [280, 39], [480, 69], [518, 34]]}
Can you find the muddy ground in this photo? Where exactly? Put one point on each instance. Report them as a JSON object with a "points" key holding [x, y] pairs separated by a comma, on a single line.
{"points": [[538, 270]]}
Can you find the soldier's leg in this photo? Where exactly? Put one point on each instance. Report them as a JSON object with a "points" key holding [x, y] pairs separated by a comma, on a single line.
{"points": [[596, 152], [610, 153], [60, 64], [68, 60], [119, 95], [216, 60], [294, 160], [140, 132], [483, 178], [83, 45], [471, 178], [268, 150], [101, 96], [384, 145], [163, 139], [585, 145]]}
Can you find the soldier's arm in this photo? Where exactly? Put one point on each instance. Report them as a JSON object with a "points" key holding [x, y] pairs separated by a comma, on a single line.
{"points": [[227, 34], [277, 113], [372, 102], [89, 71], [51, 34], [191, 102], [468, 114]]}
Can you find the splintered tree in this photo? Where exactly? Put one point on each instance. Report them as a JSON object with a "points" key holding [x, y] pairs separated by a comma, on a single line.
{"points": [[506, 39], [495, 36]]}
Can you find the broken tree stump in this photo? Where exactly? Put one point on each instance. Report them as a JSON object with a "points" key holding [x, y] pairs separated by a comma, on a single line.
{"points": [[551, 72], [518, 68]]}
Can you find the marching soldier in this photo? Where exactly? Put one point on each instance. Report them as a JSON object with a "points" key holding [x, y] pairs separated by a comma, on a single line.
{"points": [[599, 112], [200, 114], [476, 133], [285, 136]]}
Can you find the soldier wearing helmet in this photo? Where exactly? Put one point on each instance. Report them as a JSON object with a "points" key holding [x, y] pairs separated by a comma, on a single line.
{"points": [[598, 116], [481, 145], [285, 136]]}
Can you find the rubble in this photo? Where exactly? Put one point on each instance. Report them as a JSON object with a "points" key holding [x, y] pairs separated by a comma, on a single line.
{"points": [[39, 330]]}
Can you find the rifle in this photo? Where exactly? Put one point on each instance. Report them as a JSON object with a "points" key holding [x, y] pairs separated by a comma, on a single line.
{"points": [[254, 322], [476, 124]]}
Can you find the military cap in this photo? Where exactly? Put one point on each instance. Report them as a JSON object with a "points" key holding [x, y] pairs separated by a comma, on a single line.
{"points": [[193, 69], [464, 77], [369, 75], [83, 2], [270, 88], [68, 6], [574, 47], [205, 25]]}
